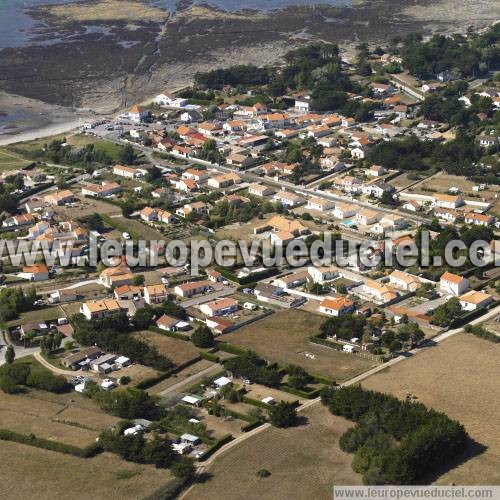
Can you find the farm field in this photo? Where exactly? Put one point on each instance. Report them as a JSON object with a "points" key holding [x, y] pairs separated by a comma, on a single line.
{"points": [[179, 351], [68, 418], [86, 206], [460, 378], [304, 462], [289, 345], [29, 472]]}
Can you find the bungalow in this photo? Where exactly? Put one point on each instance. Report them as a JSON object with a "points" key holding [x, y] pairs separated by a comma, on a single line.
{"points": [[473, 300], [75, 361], [375, 171], [317, 131], [103, 364], [182, 151], [234, 126], [320, 204], [138, 114], [454, 284], [404, 281], [63, 295], [380, 89], [327, 141], [260, 190], [280, 223], [323, 273], [19, 220], [288, 199], [171, 100], [412, 206], [96, 309], [148, 214], [224, 180], [60, 198], [379, 292], [219, 307], [219, 325], [292, 280], [448, 200], [101, 190], [154, 294], [282, 237], [332, 163], [193, 288], [286, 133], [128, 292], [336, 306], [37, 272], [170, 324], [366, 217], [479, 219], [344, 210], [127, 172]]}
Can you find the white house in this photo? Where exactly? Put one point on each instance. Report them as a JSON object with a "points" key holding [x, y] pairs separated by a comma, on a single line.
{"points": [[404, 281], [260, 190], [448, 200], [138, 113], [473, 300], [154, 294], [344, 210], [336, 306], [320, 204], [219, 307], [322, 273], [171, 100], [454, 284], [367, 217]]}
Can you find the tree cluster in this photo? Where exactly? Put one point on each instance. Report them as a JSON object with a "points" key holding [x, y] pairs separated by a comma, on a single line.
{"points": [[394, 442], [15, 376], [250, 366], [114, 334]]}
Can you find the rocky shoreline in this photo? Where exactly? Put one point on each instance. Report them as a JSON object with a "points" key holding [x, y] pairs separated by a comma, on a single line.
{"points": [[80, 59]]}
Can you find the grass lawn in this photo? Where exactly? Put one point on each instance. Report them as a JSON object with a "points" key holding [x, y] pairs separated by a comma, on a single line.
{"points": [[284, 337], [304, 462], [11, 161], [29, 472], [38, 314], [460, 378]]}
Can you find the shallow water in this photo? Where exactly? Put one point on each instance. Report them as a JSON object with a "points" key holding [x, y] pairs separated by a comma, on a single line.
{"points": [[16, 24]]}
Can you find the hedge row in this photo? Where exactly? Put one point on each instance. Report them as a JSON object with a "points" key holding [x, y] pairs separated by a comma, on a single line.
{"points": [[311, 394], [174, 335], [327, 343], [219, 444], [230, 348], [256, 402], [171, 490], [90, 451], [150, 382], [209, 356]]}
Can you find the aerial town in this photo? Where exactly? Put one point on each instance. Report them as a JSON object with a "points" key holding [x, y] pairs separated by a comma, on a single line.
{"points": [[150, 378]]}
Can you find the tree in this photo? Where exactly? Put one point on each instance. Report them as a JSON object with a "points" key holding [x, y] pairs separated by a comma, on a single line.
{"points": [[203, 337], [283, 414], [10, 355], [298, 378], [127, 155], [138, 280], [159, 451], [143, 318], [184, 468]]}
